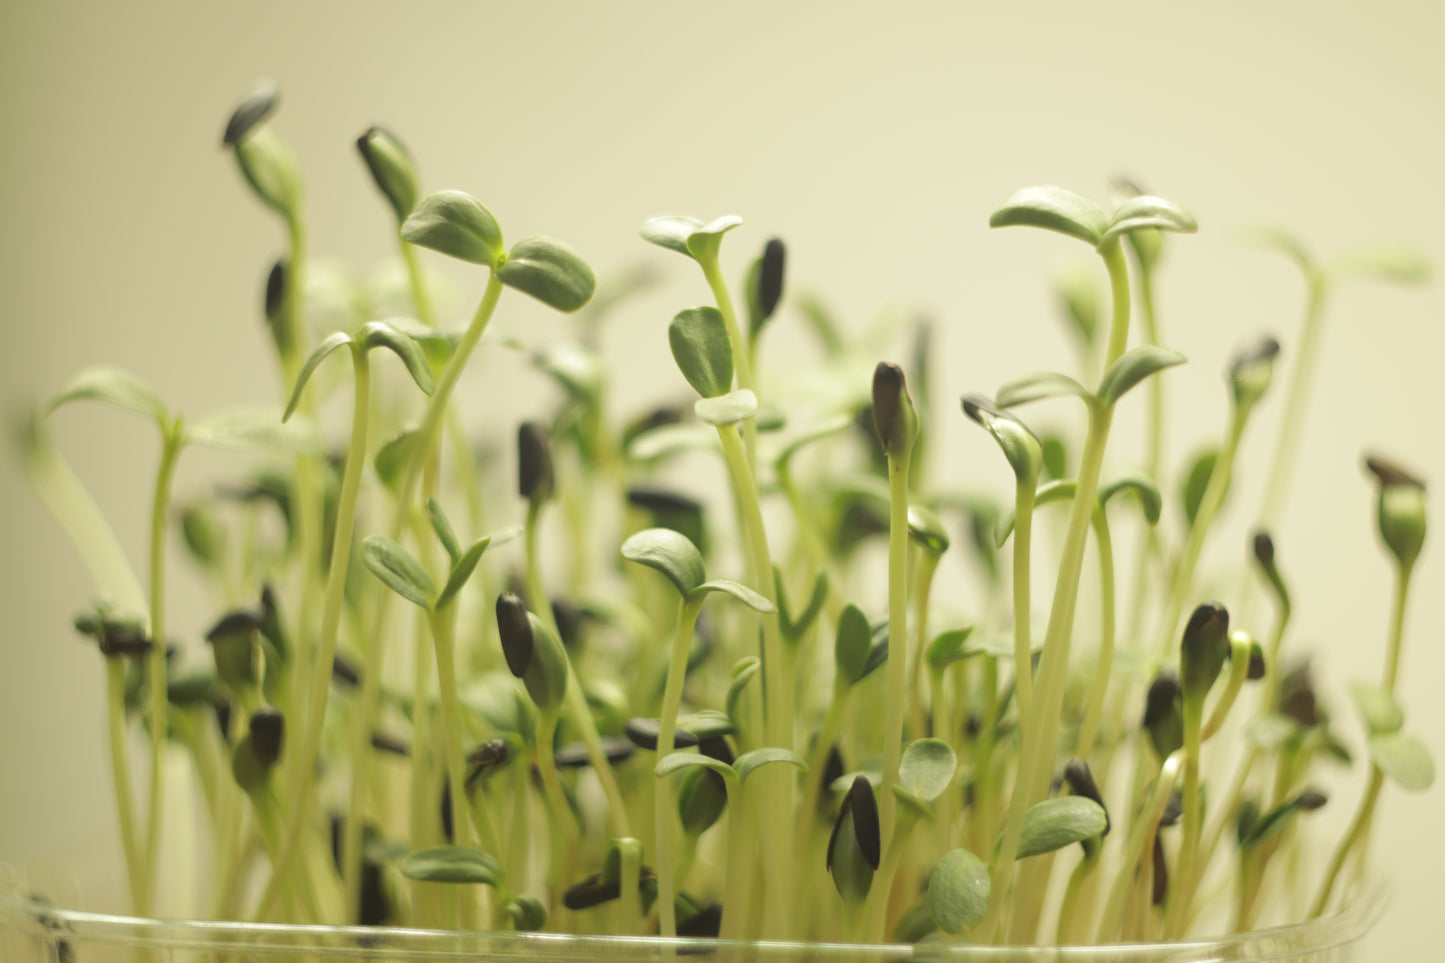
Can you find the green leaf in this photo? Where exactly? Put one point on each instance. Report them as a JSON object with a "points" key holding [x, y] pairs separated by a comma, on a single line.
{"points": [[664, 441], [1033, 387], [958, 891], [1077, 291], [391, 458], [443, 528], [947, 647], [1404, 759], [1055, 823], [1020, 446], [753, 600], [793, 629], [271, 169], [464, 564], [688, 235], [818, 432], [743, 673], [398, 570], [926, 768], [749, 761], [330, 344], [453, 864], [1151, 503], [575, 366], [1145, 211], [1054, 209], [670, 553], [550, 271], [706, 724], [380, 334], [851, 644], [1397, 265], [250, 428], [678, 761], [701, 348], [457, 225], [113, 386], [1271, 732], [926, 528], [1134, 366], [1379, 709], [728, 409], [1196, 481], [527, 913], [1284, 243], [391, 168]]}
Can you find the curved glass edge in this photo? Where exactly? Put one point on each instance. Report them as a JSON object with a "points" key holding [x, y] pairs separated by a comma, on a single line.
{"points": [[33, 919]]}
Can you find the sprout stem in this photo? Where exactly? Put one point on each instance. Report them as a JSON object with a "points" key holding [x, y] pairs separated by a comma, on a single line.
{"points": [[173, 439], [898, 463], [663, 794], [120, 775], [1214, 492], [1040, 738], [1291, 427], [1024, 493], [1359, 832]]}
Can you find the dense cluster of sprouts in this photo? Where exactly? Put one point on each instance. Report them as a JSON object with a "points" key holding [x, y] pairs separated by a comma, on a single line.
{"points": [[409, 715]]}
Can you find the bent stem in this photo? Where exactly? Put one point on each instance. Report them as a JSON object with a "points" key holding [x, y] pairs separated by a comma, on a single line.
{"points": [[574, 700]]}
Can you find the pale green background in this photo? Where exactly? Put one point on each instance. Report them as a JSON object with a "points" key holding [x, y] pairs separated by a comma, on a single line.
{"points": [[875, 139]]}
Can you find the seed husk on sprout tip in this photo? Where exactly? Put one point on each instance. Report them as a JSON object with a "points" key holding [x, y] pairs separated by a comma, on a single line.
{"points": [[515, 630], [1203, 648], [855, 848], [1401, 509], [258, 105], [893, 415], [534, 462], [391, 167], [770, 277], [268, 732]]}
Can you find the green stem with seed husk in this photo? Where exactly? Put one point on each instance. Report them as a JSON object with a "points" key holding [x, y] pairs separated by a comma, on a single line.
{"points": [[574, 699], [1359, 831], [1040, 738]]}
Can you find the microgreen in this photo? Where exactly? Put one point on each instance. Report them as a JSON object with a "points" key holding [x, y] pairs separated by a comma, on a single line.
{"points": [[530, 728]]}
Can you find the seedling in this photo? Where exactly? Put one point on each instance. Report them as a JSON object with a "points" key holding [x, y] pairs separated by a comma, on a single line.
{"points": [[843, 755]]}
